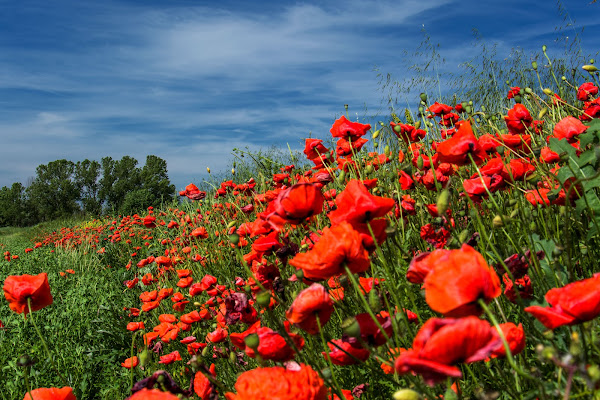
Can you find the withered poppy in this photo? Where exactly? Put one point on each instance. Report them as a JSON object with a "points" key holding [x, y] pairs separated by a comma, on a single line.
{"points": [[338, 247], [65, 393], [458, 279], [19, 288], [572, 304], [440, 344], [297, 381], [311, 303]]}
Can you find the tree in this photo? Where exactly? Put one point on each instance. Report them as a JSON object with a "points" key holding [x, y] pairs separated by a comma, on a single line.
{"points": [[155, 179], [86, 178], [118, 179], [53, 192], [13, 210]]}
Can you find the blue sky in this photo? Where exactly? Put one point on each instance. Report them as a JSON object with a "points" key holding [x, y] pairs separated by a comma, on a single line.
{"points": [[190, 80]]}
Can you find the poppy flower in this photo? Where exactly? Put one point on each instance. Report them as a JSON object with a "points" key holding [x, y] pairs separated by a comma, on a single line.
{"points": [[408, 133], [170, 358], [343, 353], [338, 247], [296, 203], [297, 381], [356, 205], [568, 128], [458, 279], [343, 128], [65, 393], [19, 288], [202, 386], [515, 337], [131, 362], [518, 119], [314, 148], [456, 150], [440, 344], [572, 304], [192, 192], [311, 303], [152, 394], [586, 90]]}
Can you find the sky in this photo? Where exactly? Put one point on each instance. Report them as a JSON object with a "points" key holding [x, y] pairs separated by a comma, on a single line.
{"points": [[188, 81]]}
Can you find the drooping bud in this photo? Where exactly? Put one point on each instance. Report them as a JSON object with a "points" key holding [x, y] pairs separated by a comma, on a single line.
{"points": [[590, 68], [406, 394], [443, 202]]}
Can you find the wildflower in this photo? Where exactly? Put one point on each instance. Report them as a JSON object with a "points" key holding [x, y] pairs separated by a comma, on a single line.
{"points": [[458, 279], [442, 343], [19, 288], [298, 382], [65, 393], [572, 304], [310, 304]]}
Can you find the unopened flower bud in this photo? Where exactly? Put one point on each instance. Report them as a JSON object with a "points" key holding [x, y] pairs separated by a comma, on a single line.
{"points": [[443, 202], [406, 394], [252, 341], [549, 92], [542, 112], [376, 134], [590, 68], [263, 299], [351, 327], [423, 97], [497, 222], [208, 170], [534, 65]]}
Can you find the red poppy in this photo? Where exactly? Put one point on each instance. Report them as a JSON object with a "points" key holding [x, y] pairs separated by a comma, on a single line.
{"points": [[131, 362], [457, 149], [338, 247], [572, 304], [170, 358], [568, 128], [343, 128], [65, 393], [518, 119], [296, 203], [343, 353], [515, 337], [586, 91], [442, 343], [192, 192], [458, 279], [356, 205], [522, 286], [314, 148], [152, 394], [19, 288], [513, 92], [311, 303], [440, 109], [298, 382], [202, 385]]}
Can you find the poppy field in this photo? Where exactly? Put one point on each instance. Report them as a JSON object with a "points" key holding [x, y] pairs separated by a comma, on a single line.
{"points": [[447, 254]]}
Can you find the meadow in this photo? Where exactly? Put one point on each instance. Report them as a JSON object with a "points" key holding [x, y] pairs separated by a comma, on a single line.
{"points": [[446, 253]]}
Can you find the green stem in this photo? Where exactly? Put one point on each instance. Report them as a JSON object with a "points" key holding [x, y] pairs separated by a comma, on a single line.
{"points": [[64, 381]]}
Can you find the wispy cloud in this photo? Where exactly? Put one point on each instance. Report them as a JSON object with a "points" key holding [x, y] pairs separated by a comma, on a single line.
{"points": [[188, 81]]}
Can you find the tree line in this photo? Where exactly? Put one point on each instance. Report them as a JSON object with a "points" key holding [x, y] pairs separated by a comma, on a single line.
{"points": [[64, 188]]}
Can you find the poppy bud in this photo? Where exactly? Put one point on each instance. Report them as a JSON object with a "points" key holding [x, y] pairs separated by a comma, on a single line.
{"points": [[263, 299], [232, 171], [423, 97], [528, 90], [232, 357], [234, 238], [205, 351], [406, 394], [420, 163], [549, 92], [252, 341], [369, 169], [386, 150], [517, 99], [25, 361], [532, 227], [534, 65], [208, 170], [397, 128], [497, 222], [375, 144], [542, 112], [442, 202], [544, 48], [418, 124], [351, 327], [144, 357], [376, 133], [590, 68], [374, 301], [326, 373], [300, 274]]}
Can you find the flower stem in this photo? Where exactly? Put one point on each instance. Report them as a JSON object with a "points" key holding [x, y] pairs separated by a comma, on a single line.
{"points": [[62, 378]]}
